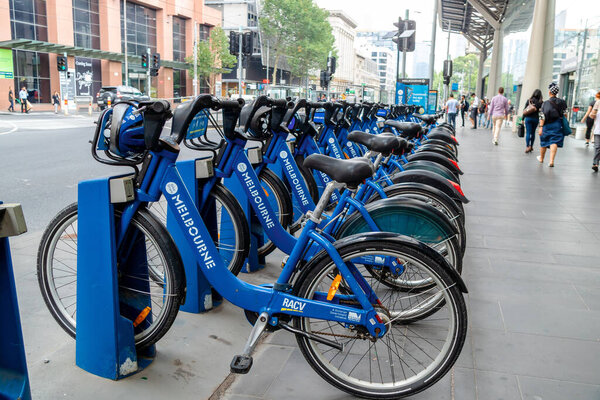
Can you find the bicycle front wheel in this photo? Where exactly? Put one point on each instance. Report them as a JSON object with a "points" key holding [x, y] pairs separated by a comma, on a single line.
{"points": [[416, 351], [164, 283]]}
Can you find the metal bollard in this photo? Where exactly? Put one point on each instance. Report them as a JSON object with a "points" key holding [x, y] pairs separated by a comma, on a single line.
{"points": [[66, 107], [90, 108]]}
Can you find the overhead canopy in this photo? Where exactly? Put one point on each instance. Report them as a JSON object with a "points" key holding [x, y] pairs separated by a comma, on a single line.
{"points": [[46, 47], [476, 20]]}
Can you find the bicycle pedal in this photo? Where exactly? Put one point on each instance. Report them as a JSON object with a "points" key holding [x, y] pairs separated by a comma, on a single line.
{"points": [[241, 364]]}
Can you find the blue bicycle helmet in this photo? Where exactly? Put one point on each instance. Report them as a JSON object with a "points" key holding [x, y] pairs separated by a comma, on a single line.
{"points": [[126, 131]]}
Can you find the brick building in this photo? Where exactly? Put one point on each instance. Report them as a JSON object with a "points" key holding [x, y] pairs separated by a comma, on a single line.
{"points": [[91, 33]]}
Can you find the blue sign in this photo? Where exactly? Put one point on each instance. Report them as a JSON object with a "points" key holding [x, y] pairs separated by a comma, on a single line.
{"points": [[455, 86], [413, 92], [432, 108], [198, 125]]}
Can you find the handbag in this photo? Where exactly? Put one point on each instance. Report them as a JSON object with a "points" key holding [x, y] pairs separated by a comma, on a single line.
{"points": [[520, 130], [530, 109], [566, 127]]}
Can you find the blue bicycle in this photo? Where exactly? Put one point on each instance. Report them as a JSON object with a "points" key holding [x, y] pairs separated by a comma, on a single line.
{"points": [[359, 335]]}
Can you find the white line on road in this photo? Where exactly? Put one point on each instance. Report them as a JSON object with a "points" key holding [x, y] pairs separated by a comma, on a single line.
{"points": [[11, 130]]}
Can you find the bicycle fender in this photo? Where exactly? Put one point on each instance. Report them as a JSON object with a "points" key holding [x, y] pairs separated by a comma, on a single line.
{"points": [[437, 158], [380, 209], [430, 189], [443, 136], [439, 142], [431, 179], [424, 165], [443, 150], [375, 237]]}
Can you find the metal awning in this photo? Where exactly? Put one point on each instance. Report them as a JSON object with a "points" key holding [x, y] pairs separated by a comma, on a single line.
{"points": [[477, 20], [46, 47]]}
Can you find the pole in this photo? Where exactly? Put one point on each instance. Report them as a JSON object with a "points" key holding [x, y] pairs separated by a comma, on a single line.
{"points": [[148, 72], [240, 62], [404, 52], [267, 84], [447, 86], [328, 69], [195, 55], [581, 63], [397, 72], [433, 34], [125, 40]]}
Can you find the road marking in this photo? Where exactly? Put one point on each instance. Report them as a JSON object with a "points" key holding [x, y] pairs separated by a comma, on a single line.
{"points": [[12, 129]]}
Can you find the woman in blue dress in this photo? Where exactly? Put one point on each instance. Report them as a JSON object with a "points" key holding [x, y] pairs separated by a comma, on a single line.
{"points": [[551, 135]]}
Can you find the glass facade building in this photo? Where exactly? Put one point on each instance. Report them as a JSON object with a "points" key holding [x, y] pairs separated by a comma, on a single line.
{"points": [[31, 69], [86, 24]]}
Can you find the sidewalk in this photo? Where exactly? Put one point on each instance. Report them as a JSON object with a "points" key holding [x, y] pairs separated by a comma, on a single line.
{"points": [[532, 268]]}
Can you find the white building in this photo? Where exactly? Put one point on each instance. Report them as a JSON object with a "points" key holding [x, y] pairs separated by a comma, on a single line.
{"points": [[344, 32], [382, 51], [366, 77]]}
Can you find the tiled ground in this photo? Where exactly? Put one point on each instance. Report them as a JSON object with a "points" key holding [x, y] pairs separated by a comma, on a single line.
{"points": [[532, 267]]}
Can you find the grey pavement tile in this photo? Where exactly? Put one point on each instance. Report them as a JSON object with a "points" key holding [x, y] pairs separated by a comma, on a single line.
{"points": [[547, 389], [459, 383], [484, 314], [230, 396], [590, 295], [543, 245], [541, 272], [268, 362], [577, 260], [537, 355], [533, 255], [496, 386], [542, 319]]}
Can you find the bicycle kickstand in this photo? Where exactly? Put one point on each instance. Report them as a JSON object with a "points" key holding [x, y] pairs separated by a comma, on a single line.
{"points": [[241, 364]]}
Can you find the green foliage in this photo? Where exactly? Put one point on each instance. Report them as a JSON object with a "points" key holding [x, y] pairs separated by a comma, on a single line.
{"points": [[213, 56], [464, 72], [299, 30]]}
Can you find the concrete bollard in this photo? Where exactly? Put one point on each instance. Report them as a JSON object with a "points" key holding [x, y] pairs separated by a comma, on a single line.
{"points": [[66, 107]]}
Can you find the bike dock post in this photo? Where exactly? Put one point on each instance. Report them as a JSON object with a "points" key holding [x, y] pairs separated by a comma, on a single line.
{"points": [[200, 296], [253, 262], [14, 379], [106, 318]]}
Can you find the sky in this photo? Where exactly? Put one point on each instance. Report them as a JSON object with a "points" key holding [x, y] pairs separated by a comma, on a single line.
{"points": [[381, 15]]}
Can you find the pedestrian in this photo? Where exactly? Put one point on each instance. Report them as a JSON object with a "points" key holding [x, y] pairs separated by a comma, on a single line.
{"points": [[481, 113], [23, 98], [11, 99], [511, 110], [498, 110], [452, 110], [551, 125], [593, 114], [56, 101], [464, 106], [531, 118], [474, 106], [588, 120]]}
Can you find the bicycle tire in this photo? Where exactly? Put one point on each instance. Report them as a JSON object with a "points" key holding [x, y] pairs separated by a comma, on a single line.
{"points": [[453, 302], [145, 222], [282, 201]]}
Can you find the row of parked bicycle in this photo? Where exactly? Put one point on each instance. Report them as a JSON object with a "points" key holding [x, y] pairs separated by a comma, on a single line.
{"points": [[364, 199]]}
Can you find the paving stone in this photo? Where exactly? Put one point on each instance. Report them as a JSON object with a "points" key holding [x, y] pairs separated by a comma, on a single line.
{"points": [[547, 389], [496, 386]]}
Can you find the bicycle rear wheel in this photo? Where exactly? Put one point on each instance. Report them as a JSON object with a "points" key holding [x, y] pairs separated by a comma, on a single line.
{"points": [[417, 349], [165, 281]]}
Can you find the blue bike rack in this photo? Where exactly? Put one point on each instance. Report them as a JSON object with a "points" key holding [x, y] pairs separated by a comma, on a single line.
{"points": [[14, 379], [200, 296], [105, 344]]}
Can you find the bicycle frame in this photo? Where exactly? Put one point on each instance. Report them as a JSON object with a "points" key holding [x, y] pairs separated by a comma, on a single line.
{"points": [[163, 178]]}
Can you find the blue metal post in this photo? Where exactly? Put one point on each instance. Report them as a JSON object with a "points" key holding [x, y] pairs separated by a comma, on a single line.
{"points": [[105, 344], [14, 380]]}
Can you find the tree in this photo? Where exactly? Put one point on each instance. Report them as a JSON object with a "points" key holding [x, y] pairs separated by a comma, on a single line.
{"points": [[213, 56], [299, 30], [464, 72]]}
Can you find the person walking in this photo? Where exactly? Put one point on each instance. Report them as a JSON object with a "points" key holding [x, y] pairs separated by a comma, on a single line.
{"points": [[593, 114], [588, 120], [11, 99], [452, 110], [56, 101], [550, 131], [474, 106], [531, 118], [498, 110], [23, 98], [481, 113], [464, 107]]}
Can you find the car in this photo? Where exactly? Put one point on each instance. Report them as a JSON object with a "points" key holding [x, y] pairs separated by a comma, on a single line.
{"points": [[118, 93]]}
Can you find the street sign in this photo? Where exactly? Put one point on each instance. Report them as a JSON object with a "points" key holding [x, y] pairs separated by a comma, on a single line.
{"points": [[6, 64], [455, 86], [433, 95], [413, 92]]}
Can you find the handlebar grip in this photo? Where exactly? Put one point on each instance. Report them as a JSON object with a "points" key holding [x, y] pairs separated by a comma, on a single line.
{"points": [[160, 106], [314, 104], [282, 103], [237, 103]]}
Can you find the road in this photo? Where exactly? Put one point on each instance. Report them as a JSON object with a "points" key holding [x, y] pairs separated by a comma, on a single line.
{"points": [[42, 158]]}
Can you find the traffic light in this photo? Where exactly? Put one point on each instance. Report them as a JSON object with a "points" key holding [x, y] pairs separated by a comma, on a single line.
{"points": [[156, 61], [61, 63], [396, 39], [234, 43], [410, 25], [247, 43], [331, 64], [447, 68], [153, 71], [325, 78], [144, 60]]}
